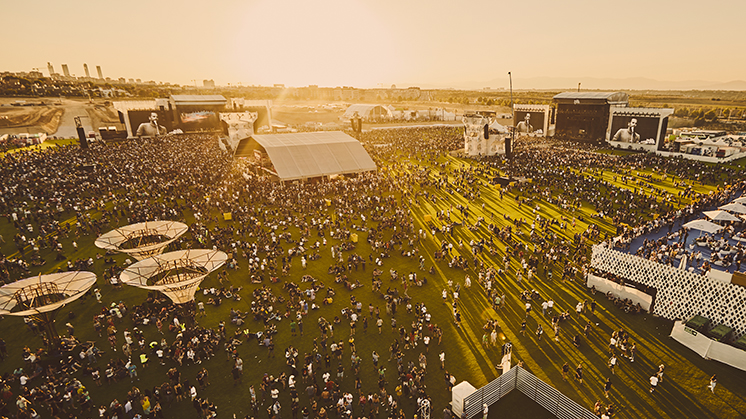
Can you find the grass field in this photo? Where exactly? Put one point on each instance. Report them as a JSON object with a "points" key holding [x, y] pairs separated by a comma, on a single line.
{"points": [[682, 394]]}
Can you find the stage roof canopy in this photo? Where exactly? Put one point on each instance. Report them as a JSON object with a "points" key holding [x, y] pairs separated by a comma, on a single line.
{"points": [[307, 155], [593, 97], [198, 100], [367, 111]]}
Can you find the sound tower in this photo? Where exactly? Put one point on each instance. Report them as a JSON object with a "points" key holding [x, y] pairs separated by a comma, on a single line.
{"points": [[486, 132], [81, 133], [508, 148]]}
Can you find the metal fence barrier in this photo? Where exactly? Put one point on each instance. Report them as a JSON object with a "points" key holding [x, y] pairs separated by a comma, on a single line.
{"points": [[530, 385]]}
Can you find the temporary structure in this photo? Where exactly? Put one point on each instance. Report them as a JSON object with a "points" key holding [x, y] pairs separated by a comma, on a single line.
{"points": [[720, 215], [703, 225], [734, 207]]}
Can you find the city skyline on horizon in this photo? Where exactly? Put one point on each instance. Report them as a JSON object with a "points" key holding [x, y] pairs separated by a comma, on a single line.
{"points": [[355, 43]]}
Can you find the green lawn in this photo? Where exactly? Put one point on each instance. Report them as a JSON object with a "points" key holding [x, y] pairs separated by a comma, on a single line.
{"points": [[682, 394]]}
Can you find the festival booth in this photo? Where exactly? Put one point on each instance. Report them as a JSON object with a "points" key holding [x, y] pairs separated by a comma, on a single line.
{"points": [[708, 348], [458, 394], [620, 291]]}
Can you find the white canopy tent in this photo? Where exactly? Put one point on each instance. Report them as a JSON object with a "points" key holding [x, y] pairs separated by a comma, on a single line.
{"points": [[306, 155], [720, 215], [734, 207], [703, 225]]}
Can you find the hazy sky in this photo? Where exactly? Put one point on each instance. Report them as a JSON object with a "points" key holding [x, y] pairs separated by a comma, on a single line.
{"points": [[372, 42]]}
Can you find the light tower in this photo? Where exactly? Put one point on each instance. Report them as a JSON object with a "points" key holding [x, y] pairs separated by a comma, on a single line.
{"points": [[41, 296], [87, 73], [142, 240]]}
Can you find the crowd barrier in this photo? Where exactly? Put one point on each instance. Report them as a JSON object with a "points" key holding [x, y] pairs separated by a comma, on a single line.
{"points": [[531, 386], [620, 291], [708, 348]]}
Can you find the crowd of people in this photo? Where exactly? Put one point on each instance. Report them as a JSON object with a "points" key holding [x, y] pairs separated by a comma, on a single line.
{"points": [[65, 196]]}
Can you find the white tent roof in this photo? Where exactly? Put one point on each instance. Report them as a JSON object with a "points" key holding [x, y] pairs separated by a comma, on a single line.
{"points": [[720, 215], [499, 127], [363, 110], [306, 155], [734, 207], [703, 225]]}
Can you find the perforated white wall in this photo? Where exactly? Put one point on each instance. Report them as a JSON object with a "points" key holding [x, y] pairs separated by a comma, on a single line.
{"points": [[681, 294]]}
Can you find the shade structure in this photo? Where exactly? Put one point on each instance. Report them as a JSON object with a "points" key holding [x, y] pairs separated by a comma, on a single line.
{"points": [[142, 240], [307, 155], [720, 215], [741, 200], [703, 225], [44, 293], [176, 274], [734, 207]]}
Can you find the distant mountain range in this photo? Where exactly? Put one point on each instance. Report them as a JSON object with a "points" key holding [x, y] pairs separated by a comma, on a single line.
{"points": [[593, 83]]}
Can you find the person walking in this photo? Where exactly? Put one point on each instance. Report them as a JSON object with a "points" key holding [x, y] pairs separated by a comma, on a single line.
{"points": [[653, 382], [579, 373], [612, 363], [607, 387], [713, 383], [660, 373], [565, 370]]}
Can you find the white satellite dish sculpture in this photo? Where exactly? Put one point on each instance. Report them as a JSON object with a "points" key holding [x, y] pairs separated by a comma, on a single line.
{"points": [[40, 297], [175, 274], [142, 240]]}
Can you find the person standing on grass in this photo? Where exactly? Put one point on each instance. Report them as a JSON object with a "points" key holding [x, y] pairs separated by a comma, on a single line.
{"points": [[565, 370], [653, 382], [612, 364], [660, 373], [713, 383], [607, 387]]}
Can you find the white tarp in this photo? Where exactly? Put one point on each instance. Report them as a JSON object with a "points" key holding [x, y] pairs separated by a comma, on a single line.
{"points": [[708, 348], [692, 339], [620, 291], [722, 276]]}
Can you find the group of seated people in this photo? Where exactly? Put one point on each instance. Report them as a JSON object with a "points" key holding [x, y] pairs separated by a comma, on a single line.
{"points": [[530, 295], [217, 295], [625, 304]]}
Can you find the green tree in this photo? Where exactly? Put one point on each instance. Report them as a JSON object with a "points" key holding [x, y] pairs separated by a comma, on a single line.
{"points": [[710, 115]]}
